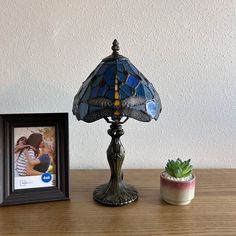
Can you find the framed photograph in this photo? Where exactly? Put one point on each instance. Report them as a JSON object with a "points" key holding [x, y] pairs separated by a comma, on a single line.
{"points": [[34, 158]]}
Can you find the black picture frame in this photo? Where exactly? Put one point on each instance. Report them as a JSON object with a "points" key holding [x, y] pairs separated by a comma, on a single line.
{"points": [[11, 196]]}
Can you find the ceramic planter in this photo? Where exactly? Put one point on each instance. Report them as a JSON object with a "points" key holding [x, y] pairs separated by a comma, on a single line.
{"points": [[177, 192]]}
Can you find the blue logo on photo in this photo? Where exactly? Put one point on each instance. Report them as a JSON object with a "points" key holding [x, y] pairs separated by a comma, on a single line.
{"points": [[46, 177]]}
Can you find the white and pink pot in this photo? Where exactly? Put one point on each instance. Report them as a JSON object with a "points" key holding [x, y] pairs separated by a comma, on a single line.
{"points": [[177, 191]]}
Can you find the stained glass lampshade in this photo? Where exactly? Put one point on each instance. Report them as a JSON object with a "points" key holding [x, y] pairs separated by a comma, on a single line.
{"points": [[116, 91]]}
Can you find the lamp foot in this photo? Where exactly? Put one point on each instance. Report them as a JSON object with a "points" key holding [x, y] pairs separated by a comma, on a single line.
{"points": [[113, 194]]}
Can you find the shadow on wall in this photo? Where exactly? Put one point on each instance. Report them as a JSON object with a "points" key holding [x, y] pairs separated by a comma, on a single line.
{"points": [[28, 95]]}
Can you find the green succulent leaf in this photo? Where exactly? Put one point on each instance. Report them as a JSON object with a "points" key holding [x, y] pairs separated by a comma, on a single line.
{"points": [[178, 168]]}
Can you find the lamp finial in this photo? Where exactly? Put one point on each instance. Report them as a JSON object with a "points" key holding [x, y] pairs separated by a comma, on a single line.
{"points": [[115, 47]]}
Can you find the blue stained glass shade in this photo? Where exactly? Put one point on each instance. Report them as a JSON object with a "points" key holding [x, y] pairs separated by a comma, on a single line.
{"points": [[116, 89]]}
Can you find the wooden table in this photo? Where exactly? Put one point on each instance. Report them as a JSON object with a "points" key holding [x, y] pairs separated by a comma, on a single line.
{"points": [[212, 212]]}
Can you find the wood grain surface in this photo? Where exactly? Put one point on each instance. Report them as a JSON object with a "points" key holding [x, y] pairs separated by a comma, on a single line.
{"points": [[212, 212]]}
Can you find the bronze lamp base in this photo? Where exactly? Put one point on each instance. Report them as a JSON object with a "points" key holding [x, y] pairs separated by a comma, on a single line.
{"points": [[116, 192]]}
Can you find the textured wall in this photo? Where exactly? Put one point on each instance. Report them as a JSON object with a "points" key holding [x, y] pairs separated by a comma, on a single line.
{"points": [[185, 48]]}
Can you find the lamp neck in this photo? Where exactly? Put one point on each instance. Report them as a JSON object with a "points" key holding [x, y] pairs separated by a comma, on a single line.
{"points": [[115, 130]]}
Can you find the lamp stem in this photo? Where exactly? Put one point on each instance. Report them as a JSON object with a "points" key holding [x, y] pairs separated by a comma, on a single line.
{"points": [[116, 192], [116, 153]]}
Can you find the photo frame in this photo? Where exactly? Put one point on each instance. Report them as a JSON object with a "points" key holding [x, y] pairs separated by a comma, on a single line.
{"points": [[34, 158]]}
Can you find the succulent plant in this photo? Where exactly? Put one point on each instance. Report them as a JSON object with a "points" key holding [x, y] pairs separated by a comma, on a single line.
{"points": [[178, 168]]}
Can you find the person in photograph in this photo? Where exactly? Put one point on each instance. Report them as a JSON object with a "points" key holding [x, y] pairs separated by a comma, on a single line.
{"points": [[44, 157], [29, 162], [20, 145]]}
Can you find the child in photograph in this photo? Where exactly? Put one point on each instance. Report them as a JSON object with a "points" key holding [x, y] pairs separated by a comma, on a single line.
{"points": [[44, 157], [27, 163]]}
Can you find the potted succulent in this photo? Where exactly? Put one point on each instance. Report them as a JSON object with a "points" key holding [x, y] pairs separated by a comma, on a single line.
{"points": [[177, 182]]}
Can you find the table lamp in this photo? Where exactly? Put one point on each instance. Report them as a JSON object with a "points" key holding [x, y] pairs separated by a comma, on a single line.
{"points": [[116, 91]]}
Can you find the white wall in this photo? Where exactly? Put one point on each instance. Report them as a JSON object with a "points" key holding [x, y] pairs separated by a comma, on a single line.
{"points": [[185, 48]]}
